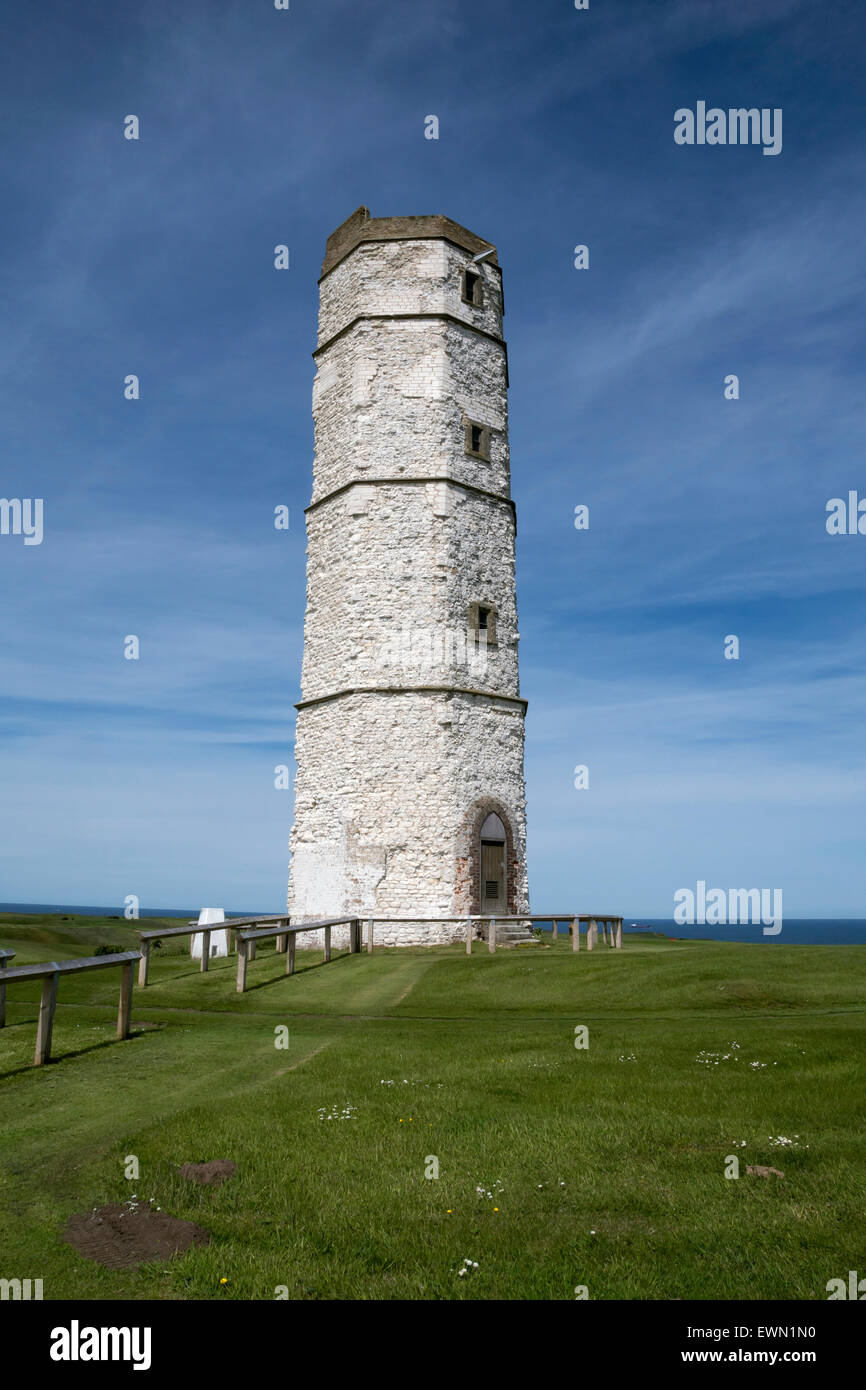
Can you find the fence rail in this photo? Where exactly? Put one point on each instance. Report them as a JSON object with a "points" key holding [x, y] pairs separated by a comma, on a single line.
{"points": [[246, 941], [610, 924], [50, 973], [5, 957], [148, 936], [250, 930]]}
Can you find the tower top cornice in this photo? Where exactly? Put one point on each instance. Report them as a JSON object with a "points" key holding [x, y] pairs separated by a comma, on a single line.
{"points": [[361, 227]]}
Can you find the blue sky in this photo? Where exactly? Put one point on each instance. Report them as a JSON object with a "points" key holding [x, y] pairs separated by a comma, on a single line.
{"points": [[155, 257]]}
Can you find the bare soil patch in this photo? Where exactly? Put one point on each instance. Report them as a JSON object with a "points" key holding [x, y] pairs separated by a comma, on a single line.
{"points": [[122, 1236], [212, 1173]]}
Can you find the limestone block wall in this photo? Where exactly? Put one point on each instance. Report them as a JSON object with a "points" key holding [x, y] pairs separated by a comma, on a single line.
{"points": [[390, 400], [392, 572], [385, 790], [407, 277]]}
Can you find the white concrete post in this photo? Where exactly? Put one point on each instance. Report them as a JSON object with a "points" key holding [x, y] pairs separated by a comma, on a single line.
{"points": [[218, 941]]}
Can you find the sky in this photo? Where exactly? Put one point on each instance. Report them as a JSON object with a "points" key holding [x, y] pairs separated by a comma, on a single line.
{"points": [[258, 127]]}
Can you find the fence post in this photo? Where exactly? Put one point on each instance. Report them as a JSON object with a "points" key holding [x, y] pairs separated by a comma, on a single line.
{"points": [[46, 1018], [251, 949], [144, 963], [589, 940], [619, 934], [469, 936], [281, 941], [290, 953], [555, 930], [575, 933], [370, 937], [327, 943], [3, 960], [491, 935], [242, 964], [124, 1008], [205, 950]]}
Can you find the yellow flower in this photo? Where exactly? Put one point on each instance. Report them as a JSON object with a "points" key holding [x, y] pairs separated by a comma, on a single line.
{"points": [[495, 1208], [223, 1281]]}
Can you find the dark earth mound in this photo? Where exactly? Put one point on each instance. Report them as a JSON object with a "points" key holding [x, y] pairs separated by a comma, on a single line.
{"points": [[212, 1173], [122, 1236]]}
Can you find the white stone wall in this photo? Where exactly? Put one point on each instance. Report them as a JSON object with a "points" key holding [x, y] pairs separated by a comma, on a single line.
{"points": [[390, 581], [388, 775], [406, 277], [390, 397], [383, 782]]}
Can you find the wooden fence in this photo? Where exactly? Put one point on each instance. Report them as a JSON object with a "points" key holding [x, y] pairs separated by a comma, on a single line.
{"points": [[611, 926], [148, 937], [5, 957], [285, 940], [249, 930], [50, 974]]}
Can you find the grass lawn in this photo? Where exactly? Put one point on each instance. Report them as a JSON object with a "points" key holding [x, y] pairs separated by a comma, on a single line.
{"points": [[558, 1167]]}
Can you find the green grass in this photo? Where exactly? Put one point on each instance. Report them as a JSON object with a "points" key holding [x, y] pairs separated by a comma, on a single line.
{"points": [[604, 1171]]}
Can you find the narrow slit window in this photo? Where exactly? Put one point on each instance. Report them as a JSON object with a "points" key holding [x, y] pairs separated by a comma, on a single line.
{"points": [[477, 440], [482, 618], [473, 288]]}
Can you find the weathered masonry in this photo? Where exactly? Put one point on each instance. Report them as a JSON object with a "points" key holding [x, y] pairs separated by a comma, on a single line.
{"points": [[409, 797]]}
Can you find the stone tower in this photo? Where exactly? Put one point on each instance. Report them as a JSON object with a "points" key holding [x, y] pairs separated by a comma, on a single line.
{"points": [[409, 797]]}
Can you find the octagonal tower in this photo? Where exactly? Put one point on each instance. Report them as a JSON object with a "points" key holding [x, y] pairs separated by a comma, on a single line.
{"points": [[409, 798]]}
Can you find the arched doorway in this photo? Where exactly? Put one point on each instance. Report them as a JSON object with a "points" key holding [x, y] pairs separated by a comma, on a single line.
{"points": [[485, 842], [492, 889]]}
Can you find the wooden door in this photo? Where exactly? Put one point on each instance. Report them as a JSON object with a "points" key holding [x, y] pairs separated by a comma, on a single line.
{"points": [[493, 879]]}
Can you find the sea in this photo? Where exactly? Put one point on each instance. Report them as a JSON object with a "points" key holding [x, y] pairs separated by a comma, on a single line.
{"points": [[798, 931], [188, 914]]}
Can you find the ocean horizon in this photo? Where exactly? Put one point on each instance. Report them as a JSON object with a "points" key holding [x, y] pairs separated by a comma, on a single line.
{"points": [[800, 931]]}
